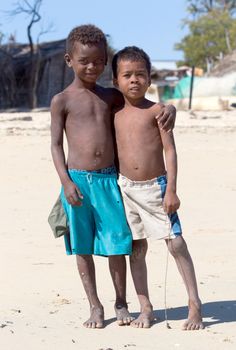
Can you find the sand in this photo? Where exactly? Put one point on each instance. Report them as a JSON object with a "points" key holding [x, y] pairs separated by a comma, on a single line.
{"points": [[42, 302]]}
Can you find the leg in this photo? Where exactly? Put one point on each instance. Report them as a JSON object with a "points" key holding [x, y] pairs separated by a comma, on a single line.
{"points": [[117, 265], [139, 273], [86, 269], [179, 251]]}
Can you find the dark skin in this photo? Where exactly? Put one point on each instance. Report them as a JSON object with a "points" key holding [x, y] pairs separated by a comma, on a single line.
{"points": [[140, 145], [84, 111]]}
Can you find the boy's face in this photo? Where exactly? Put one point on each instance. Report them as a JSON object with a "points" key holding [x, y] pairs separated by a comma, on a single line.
{"points": [[133, 79], [87, 61]]}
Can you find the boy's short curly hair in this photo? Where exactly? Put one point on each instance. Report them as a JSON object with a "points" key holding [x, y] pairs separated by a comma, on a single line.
{"points": [[85, 34], [130, 53]]}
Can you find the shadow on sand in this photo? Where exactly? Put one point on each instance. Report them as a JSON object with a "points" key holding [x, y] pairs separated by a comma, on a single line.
{"points": [[216, 311]]}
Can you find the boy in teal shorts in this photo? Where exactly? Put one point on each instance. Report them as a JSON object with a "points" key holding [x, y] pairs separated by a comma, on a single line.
{"points": [[90, 193], [100, 220]]}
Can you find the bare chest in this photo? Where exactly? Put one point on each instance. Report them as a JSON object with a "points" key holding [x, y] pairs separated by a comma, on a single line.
{"points": [[136, 126], [88, 110]]}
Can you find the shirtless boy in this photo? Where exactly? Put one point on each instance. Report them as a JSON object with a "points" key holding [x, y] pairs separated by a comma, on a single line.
{"points": [[90, 194], [150, 199]]}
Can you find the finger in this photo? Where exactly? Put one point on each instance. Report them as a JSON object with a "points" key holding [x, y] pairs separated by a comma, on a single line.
{"points": [[162, 118], [166, 125], [74, 200], [79, 194], [159, 116], [165, 208]]}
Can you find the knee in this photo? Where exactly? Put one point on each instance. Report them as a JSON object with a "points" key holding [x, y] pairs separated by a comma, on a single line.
{"points": [[177, 247], [139, 250]]}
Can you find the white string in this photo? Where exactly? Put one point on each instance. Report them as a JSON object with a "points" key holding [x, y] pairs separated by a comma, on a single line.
{"points": [[166, 273]]}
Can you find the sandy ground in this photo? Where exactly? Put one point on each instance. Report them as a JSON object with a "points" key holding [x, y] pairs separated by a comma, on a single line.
{"points": [[42, 302]]}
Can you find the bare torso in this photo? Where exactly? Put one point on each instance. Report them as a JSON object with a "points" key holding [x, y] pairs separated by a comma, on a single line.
{"points": [[139, 145], [87, 123]]}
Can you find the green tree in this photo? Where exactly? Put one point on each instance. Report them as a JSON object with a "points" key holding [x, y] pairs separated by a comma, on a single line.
{"points": [[201, 7], [211, 34]]}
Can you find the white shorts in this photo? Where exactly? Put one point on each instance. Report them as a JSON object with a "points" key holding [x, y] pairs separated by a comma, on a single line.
{"points": [[143, 201]]}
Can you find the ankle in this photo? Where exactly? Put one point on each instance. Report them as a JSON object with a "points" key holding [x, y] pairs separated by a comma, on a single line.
{"points": [[96, 307], [120, 303], [146, 307], [195, 302]]}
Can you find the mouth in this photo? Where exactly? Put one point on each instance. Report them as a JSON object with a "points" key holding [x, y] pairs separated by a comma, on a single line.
{"points": [[91, 74], [134, 89]]}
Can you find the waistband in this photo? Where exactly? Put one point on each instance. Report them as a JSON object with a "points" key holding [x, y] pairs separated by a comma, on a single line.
{"points": [[106, 171], [124, 181]]}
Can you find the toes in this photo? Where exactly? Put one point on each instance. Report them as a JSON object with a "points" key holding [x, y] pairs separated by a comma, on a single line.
{"points": [[93, 325], [125, 321], [99, 325], [135, 324], [191, 326], [147, 324]]}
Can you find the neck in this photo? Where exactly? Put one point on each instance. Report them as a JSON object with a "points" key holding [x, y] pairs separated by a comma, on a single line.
{"points": [[83, 85], [136, 103]]}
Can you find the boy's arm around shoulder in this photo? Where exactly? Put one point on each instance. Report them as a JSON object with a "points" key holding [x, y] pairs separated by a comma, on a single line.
{"points": [[171, 201], [58, 117], [117, 100], [166, 116]]}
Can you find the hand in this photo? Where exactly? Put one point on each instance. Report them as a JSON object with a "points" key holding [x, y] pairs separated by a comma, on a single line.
{"points": [[171, 202], [166, 117], [73, 194]]}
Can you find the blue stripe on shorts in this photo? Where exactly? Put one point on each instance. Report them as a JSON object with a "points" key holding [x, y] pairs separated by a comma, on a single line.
{"points": [[174, 219]]}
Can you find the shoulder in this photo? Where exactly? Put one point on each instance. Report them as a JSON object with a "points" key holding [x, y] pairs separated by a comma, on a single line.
{"points": [[58, 106], [157, 107], [58, 99]]}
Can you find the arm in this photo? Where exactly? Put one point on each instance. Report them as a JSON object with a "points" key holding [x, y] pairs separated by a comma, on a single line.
{"points": [[72, 192], [166, 117], [171, 201]]}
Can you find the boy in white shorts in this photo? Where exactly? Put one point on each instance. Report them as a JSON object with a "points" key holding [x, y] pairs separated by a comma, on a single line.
{"points": [[150, 200]]}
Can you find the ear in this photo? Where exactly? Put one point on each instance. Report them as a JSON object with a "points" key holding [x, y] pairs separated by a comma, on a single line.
{"points": [[67, 59], [115, 82]]}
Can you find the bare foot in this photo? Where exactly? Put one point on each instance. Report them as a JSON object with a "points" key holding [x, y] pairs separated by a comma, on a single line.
{"points": [[145, 318], [194, 321], [96, 319], [123, 315]]}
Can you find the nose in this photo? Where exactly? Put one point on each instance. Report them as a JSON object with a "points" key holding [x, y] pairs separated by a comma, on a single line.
{"points": [[133, 78], [91, 65]]}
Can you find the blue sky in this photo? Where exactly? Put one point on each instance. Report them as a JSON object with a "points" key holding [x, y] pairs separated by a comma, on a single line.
{"points": [[154, 25]]}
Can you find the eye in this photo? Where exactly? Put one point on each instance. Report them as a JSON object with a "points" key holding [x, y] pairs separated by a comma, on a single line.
{"points": [[99, 61], [83, 62]]}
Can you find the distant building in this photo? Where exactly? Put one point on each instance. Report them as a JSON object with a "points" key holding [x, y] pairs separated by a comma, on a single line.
{"points": [[165, 75], [54, 75], [164, 64]]}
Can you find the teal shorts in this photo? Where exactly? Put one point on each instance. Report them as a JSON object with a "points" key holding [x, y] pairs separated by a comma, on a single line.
{"points": [[99, 226]]}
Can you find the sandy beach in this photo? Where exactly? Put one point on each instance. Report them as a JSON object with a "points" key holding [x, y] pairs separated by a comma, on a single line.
{"points": [[42, 302]]}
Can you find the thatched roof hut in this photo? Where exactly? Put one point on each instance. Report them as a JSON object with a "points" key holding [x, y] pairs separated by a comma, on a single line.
{"points": [[54, 75]]}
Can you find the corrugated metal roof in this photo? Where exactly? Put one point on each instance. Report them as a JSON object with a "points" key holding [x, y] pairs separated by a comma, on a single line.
{"points": [[164, 64]]}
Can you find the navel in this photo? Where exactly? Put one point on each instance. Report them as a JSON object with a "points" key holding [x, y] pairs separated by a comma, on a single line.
{"points": [[98, 154]]}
